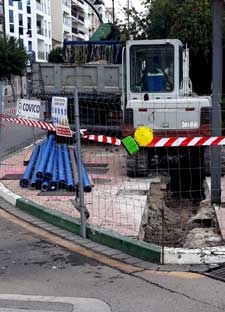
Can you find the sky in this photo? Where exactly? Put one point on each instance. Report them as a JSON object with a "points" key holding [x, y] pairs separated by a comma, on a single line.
{"points": [[119, 4]]}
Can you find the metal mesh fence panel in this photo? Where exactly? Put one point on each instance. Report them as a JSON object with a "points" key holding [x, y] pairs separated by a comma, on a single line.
{"points": [[161, 194]]}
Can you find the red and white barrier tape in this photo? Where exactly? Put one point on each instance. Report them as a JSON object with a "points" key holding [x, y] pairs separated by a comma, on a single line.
{"points": [[187, 141], [50, 127], [156, 142], [32, 123], [102, 139]]}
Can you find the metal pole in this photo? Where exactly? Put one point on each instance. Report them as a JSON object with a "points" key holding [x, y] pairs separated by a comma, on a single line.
{"points": [[128, 18], [81, 189], [113, 11], [217, 76], [163, 234], [1, 104]]}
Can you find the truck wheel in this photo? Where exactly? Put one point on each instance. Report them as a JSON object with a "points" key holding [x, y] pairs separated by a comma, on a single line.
{"points": [[207, 160], [137, 165]]}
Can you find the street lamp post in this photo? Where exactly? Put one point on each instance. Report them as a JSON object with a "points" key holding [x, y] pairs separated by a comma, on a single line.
{"points": [[217, 69]]}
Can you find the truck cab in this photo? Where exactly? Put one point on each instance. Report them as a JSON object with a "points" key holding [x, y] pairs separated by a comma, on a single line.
{"points": [[158, 91]]}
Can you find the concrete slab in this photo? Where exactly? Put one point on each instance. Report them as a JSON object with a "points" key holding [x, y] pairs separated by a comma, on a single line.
{"points": [[21, 303]]}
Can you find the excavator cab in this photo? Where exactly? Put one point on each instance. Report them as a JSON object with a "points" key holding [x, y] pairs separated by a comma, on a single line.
{"points": [[154, 67]]}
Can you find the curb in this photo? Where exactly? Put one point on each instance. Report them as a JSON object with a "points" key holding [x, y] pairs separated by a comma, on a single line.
{"points": [[138, 249], [111, 239], [132, 247]]}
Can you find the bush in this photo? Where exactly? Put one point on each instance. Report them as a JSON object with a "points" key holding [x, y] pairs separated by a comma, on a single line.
{"points": [[56, 55]]}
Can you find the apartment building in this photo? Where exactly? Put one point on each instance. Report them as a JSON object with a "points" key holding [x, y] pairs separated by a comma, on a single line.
{"points": [[30, 22], [61, 21], [2, 19], [75, 19], [68, 20], [92, 20], [79, 28]]}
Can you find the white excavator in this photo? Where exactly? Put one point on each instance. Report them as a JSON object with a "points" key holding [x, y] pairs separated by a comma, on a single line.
{"points": [[157, 93]]}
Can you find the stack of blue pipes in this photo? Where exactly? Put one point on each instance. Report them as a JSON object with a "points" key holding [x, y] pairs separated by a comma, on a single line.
{"points": [[52, 167]]}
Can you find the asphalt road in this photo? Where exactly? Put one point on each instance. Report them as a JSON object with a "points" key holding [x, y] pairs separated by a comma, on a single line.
{"points": [[30, 265], [13, 137]]}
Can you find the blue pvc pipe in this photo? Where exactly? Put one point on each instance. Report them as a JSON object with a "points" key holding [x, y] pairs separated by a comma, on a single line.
{"points": [[44, 160], [45, 186], [68, 170], [24, 182], [86, 182], [39, 184], [49, 170], [33, 182], [54, 181], [61, 172]]}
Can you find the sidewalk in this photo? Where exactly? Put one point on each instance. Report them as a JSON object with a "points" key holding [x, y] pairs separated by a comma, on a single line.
{"points": [[116, 202]]}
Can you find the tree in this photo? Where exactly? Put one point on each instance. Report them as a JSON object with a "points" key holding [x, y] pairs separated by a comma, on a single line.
{"points": [[56, 55], [13, 58], [193, 25], [159, 18]]}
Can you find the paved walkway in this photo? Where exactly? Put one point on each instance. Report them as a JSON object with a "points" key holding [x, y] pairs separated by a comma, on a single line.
{"points": [[116, 202]]}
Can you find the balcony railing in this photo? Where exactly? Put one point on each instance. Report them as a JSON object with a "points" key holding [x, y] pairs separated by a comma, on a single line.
{"points": [[74, 30], [77, 16], [81, 18]]}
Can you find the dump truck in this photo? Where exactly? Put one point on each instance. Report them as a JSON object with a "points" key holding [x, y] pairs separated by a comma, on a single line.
{"points": [[150, 87]]}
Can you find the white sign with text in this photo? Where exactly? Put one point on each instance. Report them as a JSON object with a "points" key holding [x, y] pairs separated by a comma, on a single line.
{"points": [[59, 116], [29, 109]]}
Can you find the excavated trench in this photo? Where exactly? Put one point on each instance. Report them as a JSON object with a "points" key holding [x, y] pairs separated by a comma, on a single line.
{"points": [[177, 213]]}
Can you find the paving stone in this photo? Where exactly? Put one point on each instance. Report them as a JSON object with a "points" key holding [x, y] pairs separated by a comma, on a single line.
{"points": [[121, 256], [132, 260], [87, 244], [110, 252], [100, 248]]}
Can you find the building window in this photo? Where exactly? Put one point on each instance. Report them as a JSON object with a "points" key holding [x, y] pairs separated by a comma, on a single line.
{"points": [[20, 5], [20, 20], [11, 2], [11, 19], [21, 31], [30, 46], [29, 22], [28, 10], [11, 28], [29, 33], [21, 43]]}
